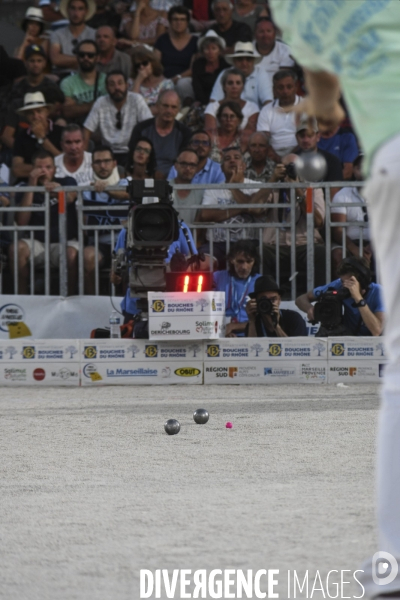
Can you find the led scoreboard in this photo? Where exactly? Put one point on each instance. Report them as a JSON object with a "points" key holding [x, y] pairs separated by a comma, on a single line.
{"points": [[198, 281]]}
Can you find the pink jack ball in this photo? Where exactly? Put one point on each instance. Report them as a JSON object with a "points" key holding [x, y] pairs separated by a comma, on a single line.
{"points": [[229, 425]]}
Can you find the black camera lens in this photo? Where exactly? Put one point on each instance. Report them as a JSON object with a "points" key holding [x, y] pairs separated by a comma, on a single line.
{"points": [[264, 306], [291, 170]]}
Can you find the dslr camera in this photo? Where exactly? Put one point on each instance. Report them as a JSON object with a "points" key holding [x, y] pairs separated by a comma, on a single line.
{"points": [[328, 310], [264, 306]]}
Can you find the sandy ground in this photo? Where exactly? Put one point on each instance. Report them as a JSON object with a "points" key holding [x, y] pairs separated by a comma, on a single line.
{"points": [[93, 490]]}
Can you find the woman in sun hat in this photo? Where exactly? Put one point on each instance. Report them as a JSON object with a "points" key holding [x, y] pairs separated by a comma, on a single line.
{"points": [[33, 25], [208, 66]]}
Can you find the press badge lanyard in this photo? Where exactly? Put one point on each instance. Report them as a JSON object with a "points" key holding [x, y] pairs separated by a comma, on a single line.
{"points": [[233, 302]]}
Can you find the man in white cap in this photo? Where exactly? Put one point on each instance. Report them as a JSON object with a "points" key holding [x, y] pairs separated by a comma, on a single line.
{"points": [[42, 133], [64, 41], [257, 88]]}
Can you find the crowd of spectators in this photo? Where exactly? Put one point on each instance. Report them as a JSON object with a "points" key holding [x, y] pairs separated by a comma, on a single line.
{"points": [[104, 91]]}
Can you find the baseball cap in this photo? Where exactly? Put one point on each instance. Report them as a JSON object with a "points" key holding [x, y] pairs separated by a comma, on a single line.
{"points": [[307, 123], [34, 49]]}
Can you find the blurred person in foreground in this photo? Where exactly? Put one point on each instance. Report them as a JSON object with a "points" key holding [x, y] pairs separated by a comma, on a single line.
{"points": [[368, 79]]}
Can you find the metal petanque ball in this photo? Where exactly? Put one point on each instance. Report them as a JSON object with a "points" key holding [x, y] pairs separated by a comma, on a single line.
{"points": [[172, 426], [201, 416], [311, 166]]}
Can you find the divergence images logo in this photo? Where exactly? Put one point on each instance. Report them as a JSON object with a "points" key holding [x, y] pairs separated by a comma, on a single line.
{"points": [[187, 372], [158, 306], [151, 351], [90, 352], [275, 350], [384, 568], [213, 350], [28, 352], [337, 349]]}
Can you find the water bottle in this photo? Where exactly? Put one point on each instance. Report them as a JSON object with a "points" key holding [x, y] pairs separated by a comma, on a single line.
{"points": [[115, 331]]}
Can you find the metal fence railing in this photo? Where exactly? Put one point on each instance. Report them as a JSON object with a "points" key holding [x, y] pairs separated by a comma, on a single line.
{"points": [[11, 233]]}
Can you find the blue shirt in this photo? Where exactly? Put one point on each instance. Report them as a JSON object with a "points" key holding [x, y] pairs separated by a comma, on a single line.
{"points": [[352, 316], [128, 304], [236, 293], [210, 173], [343, 145]]}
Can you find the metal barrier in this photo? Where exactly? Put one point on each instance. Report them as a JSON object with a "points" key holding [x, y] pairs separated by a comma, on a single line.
{"points": [[17, 231]]}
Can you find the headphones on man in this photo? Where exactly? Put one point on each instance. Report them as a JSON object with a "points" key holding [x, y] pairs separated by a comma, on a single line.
{"points": [[364, 274]]}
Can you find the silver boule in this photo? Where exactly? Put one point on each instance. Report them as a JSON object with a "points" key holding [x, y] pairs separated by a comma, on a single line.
{"points": [[201, 416], [311, 166], [172, 426]]}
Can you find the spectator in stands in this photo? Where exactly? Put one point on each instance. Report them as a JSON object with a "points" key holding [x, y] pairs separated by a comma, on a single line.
{"points": [[146, 24], [233, 82], [257, 87], [51, 13], [275, 54], [35, 81], [42, 133], [208, 171], [275, 121], [167, 135], [308, 136], [148, 76], [363, 311], [105, 173], [33, 25], [63, 42], [283, 215], [11, 68], [84, 87], [105, 15], [248, 12], [238, 282], [186, 165], [259, 166], [233, 167], [351, 214], [74, 161], [116, 116], [175, 49], [207, 67], [229, 119], [276, 322], [231, 31], [43, 174], [109, 58], [342, 144], [142, 165]]}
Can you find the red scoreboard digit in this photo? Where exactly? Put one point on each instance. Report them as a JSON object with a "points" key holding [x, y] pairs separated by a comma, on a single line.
{"points": [[189, 282]]}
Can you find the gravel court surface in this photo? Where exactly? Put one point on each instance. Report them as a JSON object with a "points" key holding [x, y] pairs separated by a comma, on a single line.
{"points": [[93, 490]]}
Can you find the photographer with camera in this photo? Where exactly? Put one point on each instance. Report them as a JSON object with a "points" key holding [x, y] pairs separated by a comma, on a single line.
{"points": [[266, 319], [350, 305]]}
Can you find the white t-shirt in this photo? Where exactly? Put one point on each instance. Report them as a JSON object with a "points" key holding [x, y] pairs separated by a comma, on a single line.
{"points": [[257, 88], [280, 124], [83, 176], [248, 110], [353, 213], [220, 196], [277, 59]]}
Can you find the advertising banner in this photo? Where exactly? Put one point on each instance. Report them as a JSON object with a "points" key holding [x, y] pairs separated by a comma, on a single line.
{"points": [[262, 349], [142, 373], [343, 348], [356, 371], [265, 372], [133, 362], [186, 316], [53, 317], [43, 374]]}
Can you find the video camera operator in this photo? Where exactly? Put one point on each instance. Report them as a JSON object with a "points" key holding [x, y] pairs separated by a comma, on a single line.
{"points": [[266, 319], [362, 305]]}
